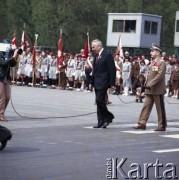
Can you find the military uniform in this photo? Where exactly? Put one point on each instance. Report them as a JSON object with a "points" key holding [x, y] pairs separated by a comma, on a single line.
{"points": [[154, 92]]}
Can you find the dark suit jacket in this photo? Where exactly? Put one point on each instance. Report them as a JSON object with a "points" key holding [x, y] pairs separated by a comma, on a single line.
{"points": [[104, 71]]}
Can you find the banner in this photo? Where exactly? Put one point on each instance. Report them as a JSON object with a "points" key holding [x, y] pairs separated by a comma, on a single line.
{"points": [[60, 52]]}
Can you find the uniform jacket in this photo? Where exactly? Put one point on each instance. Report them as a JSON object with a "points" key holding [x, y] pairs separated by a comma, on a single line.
{"points": [[104, 71], [156, 77]]}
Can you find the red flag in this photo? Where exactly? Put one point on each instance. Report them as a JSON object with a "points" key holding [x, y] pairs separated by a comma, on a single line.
{"points": [[14, 42], [24, 41], [86, 48], [60, 52], [34, 59], [119, 49], [86, 51]]}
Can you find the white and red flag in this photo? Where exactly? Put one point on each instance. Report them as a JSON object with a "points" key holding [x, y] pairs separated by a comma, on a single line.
{"points": [[14, 42], [87, 47], [60, 52], [119, 49], [24, 41], [86, 51]]}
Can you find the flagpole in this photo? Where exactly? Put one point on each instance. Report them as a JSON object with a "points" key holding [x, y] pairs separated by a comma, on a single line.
{"points": [[58, 60], [13, 69], [24, 25], [34, 61]]}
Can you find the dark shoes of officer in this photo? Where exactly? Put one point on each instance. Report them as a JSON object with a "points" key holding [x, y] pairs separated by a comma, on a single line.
{"points": [[140, 126], [143, 127], [160, 129]]}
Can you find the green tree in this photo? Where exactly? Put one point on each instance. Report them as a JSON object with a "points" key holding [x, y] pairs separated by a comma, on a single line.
{"points": [[18, 14], [76, 17]]}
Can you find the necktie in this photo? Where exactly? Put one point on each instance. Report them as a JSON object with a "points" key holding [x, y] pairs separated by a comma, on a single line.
{"points": [[97, 57]]}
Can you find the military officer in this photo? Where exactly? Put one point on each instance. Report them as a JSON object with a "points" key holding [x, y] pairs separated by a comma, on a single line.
{"points": [[154, 91]]}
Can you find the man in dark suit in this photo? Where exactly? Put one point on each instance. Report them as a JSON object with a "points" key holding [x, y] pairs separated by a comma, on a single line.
{"points": [[103, 77]]}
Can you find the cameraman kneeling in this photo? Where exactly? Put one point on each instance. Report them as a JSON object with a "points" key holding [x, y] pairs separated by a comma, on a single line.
{"points": [[5, 65]]}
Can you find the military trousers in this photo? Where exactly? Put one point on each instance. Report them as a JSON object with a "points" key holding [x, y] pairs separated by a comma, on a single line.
{"points": [[150, 100]]}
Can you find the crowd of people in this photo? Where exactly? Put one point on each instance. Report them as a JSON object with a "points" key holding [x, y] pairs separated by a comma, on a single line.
{"points": [[151, 79], [74, 73]]}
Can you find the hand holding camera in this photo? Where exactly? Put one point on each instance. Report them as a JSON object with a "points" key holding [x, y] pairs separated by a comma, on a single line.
{"points": [[16, 53]]}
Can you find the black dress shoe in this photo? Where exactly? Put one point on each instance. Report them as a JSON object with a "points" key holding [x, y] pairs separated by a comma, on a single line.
{"points": [[98, 125], [140, 126], [105, 125]]}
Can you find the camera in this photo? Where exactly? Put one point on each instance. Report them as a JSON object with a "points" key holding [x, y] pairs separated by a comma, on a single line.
{"points": [[11, 52]]}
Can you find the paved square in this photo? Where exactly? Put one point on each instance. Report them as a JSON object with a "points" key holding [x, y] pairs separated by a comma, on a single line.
{"points": [[48, 145]]}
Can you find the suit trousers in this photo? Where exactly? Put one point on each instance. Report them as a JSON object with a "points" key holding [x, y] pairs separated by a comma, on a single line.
{"points": [[147, 108], [4, 96], [103, 115]]}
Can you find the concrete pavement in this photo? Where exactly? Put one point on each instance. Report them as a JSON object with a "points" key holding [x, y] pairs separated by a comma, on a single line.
{"points": [[62, 148]]}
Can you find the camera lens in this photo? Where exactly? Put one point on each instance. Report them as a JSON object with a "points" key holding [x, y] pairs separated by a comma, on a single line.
{"points": [[19, 51]]}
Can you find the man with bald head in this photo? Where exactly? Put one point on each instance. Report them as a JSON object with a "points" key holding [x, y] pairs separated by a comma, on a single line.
{"points": [[103, 77]]}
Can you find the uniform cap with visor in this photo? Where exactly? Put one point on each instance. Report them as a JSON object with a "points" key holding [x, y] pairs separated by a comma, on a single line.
{"points": [[156, 47]]}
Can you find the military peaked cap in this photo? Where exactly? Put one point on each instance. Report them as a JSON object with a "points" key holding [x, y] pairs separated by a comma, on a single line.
{"points": [[156, 47]]}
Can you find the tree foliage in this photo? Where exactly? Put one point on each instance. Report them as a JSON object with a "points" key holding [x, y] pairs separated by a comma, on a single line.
{"points": [[76, 17]]}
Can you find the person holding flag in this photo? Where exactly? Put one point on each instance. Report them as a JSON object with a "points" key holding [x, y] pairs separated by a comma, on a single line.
{"points": [[118, 65], [24, 41], [35, 64], [119, 49], [61, 64], [88, 65]]}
